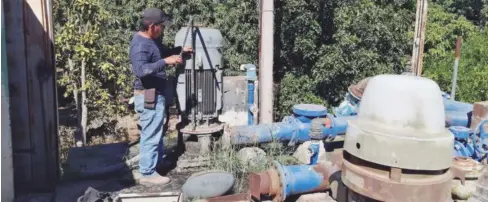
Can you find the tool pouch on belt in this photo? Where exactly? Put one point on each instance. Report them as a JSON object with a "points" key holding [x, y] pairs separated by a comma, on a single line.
{"points": [[150, 98]]}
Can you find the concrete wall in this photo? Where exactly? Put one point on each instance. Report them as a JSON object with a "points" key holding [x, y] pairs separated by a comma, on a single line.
{"points": [[234, 111], [32, 94], [7, 164]]}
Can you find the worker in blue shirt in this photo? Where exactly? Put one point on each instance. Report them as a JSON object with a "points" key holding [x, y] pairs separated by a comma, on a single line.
{"points": [[149, 61]]}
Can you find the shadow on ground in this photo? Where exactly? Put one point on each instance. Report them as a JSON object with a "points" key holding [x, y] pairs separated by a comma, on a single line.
{"points": [[108, 168]]}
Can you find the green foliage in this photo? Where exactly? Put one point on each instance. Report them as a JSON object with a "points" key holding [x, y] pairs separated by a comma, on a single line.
{"points": [[296, 90], [237, 20], [443, 29], [472, 85], [474, 10], [337, 43], [82, 38], [321, 47]]}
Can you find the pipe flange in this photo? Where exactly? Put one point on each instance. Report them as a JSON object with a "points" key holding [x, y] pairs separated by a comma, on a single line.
{"points": [[281, 195], [279, 192], [316, 126]]}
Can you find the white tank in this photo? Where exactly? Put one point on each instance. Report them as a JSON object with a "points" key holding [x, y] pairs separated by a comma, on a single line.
{"points": [[401, 123]]}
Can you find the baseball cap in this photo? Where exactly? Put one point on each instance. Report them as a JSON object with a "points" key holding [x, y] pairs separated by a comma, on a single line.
{"points": [[156, 16]]}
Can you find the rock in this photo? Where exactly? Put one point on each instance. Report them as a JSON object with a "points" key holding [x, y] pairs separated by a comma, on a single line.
{"points": [[234, 118], [129, 125], [208, 184], [303, 154], [481, 193], [315, 197], [465, 191], [251, 156]]}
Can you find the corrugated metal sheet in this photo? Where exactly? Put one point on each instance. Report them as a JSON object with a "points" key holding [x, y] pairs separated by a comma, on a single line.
{"points": [[31, 73]]}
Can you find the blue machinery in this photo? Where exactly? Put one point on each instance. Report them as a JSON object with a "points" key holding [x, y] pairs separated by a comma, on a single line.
{"points": [[309, 122], [471, 144], [296, 128], [251, 78], [457, 113], [312, 122]]}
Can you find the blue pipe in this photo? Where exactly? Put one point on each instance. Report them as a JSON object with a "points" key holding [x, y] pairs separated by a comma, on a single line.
{"points": [[350, 106], [482, 136], [461, 145], [476, 148], [280, 182], [451, 105], [250, 103], [298, 179], [457, 118], [290, 129], [314, 148], [251, 77]]}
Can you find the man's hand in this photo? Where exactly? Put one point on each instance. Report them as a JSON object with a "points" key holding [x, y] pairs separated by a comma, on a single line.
{"points": [[187, 50], [172, 60]]}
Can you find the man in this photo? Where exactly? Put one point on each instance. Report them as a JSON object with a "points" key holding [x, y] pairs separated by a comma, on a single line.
{"points": [[149, 61]]}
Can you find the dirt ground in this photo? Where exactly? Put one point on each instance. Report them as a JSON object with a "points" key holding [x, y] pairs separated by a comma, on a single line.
{"points": [[106, 149]]}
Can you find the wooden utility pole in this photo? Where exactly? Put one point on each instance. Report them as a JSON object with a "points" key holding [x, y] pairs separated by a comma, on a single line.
{"points": [[419, 37]]}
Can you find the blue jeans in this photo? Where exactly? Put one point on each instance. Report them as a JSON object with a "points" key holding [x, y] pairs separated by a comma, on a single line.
{"points": [[151, 143]]}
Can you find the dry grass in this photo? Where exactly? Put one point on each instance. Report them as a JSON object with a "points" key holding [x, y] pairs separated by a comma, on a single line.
{"points": [[222, 159], [66, 141], [228, 160]]}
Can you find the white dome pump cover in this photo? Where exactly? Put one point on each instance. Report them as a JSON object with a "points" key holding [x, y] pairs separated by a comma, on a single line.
{"points": [[401, 123]]}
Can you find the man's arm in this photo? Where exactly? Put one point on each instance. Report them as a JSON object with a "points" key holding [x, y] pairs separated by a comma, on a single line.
{"points": [[141, 66]]}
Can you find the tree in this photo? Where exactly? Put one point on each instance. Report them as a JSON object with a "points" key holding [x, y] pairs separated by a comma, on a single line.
{"points": [[475, 11], [336, 43], [321, 47], [91, 58], [443, 29]]}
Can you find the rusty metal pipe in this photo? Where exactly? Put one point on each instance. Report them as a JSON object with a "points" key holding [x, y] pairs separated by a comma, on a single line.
{"points": [[455, 71], [281, 181]]}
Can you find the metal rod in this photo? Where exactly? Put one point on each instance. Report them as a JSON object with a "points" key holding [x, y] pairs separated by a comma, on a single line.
{"points": [[456, 64], [193, 76], [189, 24]]}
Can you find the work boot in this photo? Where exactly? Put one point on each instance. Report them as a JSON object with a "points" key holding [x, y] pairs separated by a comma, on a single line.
{"points": [[154, 179]]}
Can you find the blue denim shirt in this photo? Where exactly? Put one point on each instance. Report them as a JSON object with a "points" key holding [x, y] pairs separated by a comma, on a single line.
{"points": [[146, 56]]}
